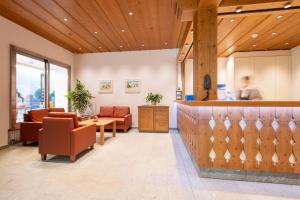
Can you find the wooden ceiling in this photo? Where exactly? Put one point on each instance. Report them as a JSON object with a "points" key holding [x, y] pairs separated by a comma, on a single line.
{"points": [[260, 29], [84, 26]]}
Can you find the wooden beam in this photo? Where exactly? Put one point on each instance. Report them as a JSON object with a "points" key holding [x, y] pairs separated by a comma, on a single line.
{"points": [[205, 48], [259, 12], [226, 3], [184, 9]]}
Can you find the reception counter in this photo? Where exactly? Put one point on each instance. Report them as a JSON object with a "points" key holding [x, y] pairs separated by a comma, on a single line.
{"points": [[244, 140]]}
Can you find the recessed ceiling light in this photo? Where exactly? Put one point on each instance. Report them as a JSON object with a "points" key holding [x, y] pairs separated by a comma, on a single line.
{"points": [[274, 33], [286, 43], [287, 5], [192, 31], [65, 19], [254, 35], [279, 17], [123, 30], [254, 45], [142, 45], [79, 48], [96, 32], [166, 43], [232, 20], [121, 46], [238, 9], [130, 13], [99, 47]]}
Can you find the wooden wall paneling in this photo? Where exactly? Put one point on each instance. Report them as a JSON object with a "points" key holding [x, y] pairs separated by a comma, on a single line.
{"points": [[204, 134], [296, 138], [267, 147], [284, 136], [32, 22], [235, 134], [54, 15], [220, 133], [250, 134], [83, 18]]}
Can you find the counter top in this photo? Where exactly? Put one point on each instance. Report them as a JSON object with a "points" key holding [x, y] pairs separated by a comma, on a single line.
{"points": [[242, 103]]}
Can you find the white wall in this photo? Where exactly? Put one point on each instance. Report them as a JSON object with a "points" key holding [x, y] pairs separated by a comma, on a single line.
{"points": [[271, 72], [11, 33], [155, 68], [296, 73], [189, 89]]}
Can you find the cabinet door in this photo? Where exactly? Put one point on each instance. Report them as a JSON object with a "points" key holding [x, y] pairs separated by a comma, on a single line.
{"points": [[146, 119], [161, 120]]}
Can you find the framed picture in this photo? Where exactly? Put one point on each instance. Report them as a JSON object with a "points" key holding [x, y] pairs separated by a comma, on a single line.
{"points": [[132, 85], [178, 95], [105, 86]]}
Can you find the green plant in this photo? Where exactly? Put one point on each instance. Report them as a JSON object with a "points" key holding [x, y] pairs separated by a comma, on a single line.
{"points": [[79, 97], [154, 98]]}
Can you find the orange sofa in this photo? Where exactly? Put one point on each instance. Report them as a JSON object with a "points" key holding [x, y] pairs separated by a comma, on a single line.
{"points": [[29, 129], [61, 135], [121, 114]]}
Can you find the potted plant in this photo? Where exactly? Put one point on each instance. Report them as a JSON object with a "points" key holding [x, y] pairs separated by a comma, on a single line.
{"points": [[80, 98], [154, 98]]}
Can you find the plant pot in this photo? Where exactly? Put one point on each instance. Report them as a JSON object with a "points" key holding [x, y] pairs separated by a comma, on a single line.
{"points": [[154, 103]]}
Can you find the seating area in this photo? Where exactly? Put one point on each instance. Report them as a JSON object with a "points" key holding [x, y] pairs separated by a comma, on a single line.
{"points": [[150, 99]]}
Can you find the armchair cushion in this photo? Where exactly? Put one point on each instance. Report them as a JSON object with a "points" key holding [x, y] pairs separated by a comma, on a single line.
{"points": [[71, 115], [106, 111], [121, 111], [38, 115]]}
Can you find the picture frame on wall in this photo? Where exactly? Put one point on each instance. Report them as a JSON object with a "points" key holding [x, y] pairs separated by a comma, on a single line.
{"points": [[106, 86], [132, 85]]}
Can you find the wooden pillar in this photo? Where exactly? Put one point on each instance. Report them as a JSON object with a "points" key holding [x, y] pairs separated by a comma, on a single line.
{"points": [[205, 48]]}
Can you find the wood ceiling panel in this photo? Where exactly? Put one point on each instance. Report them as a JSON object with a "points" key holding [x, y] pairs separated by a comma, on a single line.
{"points": [[19, 15], [152, 24], [82, 17]]}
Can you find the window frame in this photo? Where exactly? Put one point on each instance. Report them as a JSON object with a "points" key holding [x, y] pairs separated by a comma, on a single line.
{"points": [[13, 79]]}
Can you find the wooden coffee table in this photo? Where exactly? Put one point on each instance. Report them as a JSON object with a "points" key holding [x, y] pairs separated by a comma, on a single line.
{"points": [[101, 123]]}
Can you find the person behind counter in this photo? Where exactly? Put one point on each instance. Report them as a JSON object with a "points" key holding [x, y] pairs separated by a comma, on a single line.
{"points": [[246, 92]]}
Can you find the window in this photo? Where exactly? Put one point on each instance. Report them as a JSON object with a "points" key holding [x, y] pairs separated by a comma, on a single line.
{"points": [[36, 82]]}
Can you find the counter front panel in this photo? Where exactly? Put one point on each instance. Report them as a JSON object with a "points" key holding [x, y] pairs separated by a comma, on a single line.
{"points": [[255, 138]]}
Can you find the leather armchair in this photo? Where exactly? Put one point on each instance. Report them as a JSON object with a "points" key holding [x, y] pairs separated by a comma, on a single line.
{"points": [[59, 137]]}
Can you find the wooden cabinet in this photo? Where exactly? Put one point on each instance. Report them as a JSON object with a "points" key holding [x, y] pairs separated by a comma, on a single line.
{"points": [[153, 118]]}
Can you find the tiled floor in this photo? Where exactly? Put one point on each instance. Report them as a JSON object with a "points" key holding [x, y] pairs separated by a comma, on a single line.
{"points": [[130, 166]]}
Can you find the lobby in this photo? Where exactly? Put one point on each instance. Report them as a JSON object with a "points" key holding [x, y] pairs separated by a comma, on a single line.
{"points": [[150, 99]]}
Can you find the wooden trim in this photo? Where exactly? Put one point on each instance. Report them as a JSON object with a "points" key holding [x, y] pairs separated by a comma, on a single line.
{"points": [[242, 103], [183, 78], [12, 88]]}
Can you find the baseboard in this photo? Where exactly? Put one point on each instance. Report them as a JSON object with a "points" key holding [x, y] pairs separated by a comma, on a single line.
{"points": [[4, 147]]}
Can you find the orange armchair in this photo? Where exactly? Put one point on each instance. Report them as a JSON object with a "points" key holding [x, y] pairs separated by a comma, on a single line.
{"points": [[59, 136]]}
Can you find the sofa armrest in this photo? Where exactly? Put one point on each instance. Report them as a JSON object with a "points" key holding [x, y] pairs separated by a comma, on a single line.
{"points": [[30, 130], [82, 138], [128, 121]]}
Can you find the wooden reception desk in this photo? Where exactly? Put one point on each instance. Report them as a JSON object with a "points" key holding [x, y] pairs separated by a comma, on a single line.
{"points": [[258, 137]]}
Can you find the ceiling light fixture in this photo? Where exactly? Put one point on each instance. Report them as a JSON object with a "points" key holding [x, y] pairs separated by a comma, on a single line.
{"points": [[130, 13], [238, 9], [142, 45], [123, 30], [65, 19], [99, 47], [96, 32], [279, 16], [121, 46], [79, 48], [287, 5], [254, 45], [254, 35], [286, 43], [166, 43], [192, 31], [232, 20], [274, 33]]}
